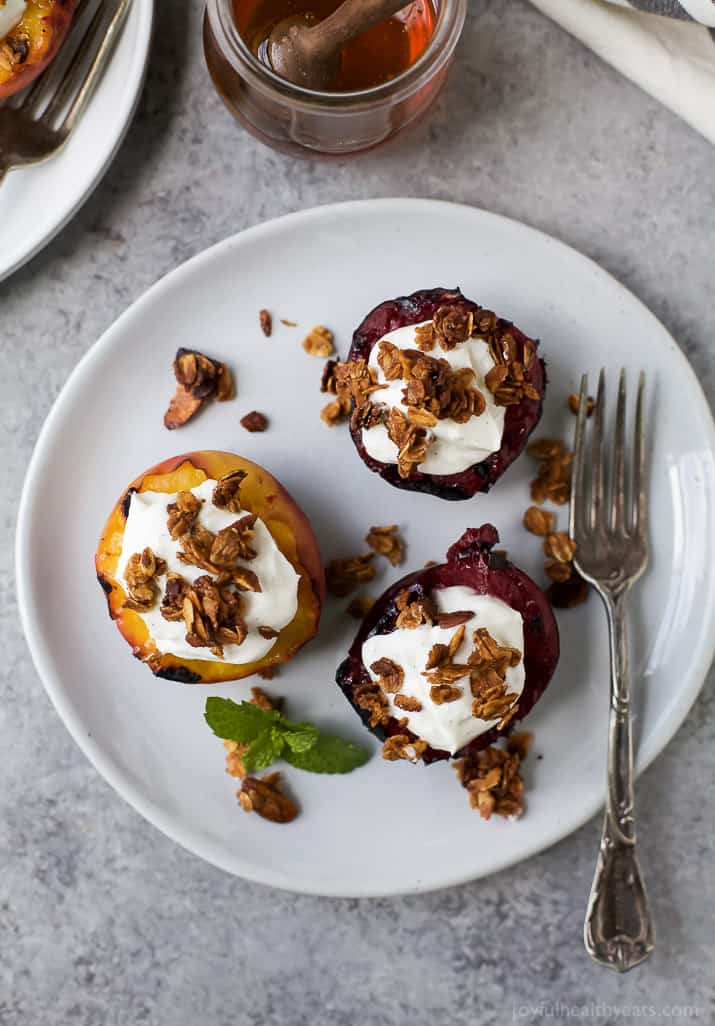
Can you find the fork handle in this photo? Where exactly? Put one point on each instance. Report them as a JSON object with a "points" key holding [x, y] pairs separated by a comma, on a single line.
{"points": [[619, 929]]}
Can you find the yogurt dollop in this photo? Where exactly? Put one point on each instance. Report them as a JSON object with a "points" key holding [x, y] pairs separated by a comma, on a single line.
{"points": [[274, 606], [451, 726], [454, 447]]}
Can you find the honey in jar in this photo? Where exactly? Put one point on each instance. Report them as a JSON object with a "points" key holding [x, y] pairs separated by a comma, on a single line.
{"points": [[376, 56]]}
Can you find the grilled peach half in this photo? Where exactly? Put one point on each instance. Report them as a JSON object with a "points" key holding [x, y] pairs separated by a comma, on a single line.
{"points": [[260, 494], [29, 47]]}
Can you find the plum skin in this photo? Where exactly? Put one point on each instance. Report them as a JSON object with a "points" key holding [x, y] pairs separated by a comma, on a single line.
{"points": [[471, 563], [520, 419], [46, 23], [286, 522]]}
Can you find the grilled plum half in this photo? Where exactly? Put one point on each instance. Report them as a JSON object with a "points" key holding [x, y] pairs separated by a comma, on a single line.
{"points": [[521, 417], [470, 563]]}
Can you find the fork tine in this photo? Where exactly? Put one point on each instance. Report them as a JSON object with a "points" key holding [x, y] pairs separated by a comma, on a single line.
{"points": [[79, 81], [32, 101], [616, 517], [639, 512], [599, 472], [577, 503]]}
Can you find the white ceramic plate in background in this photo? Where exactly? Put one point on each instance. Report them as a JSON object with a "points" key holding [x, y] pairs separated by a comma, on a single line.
{"points": [[36, 202], [387, 828]]}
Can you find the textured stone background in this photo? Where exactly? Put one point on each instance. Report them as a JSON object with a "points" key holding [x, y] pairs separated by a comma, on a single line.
{"points": [[104, 922]]}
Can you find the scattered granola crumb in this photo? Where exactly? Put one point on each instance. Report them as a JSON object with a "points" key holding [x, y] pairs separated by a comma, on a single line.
{"points": [[264, 796], [559, 546], [360, 606], [319, 342], [554, 475], [345, 575], [387, 542], [492, 777], [254, 421], [574, 403], [539, 521], [268, 672], [266, 322], [429, 563], [289, 324], [198, 379]]}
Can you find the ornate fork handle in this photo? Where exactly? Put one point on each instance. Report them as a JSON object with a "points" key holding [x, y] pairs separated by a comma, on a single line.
{"points": [[619, 928]]}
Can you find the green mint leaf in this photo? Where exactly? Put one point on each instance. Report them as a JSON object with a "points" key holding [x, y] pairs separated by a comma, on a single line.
{"points": [[242, 722], [302, 738], [264, 750], [329, 754]]}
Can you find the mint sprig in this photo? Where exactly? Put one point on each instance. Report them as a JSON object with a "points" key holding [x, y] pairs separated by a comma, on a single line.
{"points": [[270, 735]]}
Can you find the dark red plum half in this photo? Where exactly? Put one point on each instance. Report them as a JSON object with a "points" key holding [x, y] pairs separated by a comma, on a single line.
{"points": [[520, 419], [470, 563]]}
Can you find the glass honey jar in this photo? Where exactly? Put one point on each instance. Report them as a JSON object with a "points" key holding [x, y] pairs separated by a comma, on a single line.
{"points": [[388, 78]]}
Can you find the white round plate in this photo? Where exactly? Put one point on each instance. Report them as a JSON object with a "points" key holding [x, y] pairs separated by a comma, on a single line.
{"points": [[387, 828], [37, 202]]}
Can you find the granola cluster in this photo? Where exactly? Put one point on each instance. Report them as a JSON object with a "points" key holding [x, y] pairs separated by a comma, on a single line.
{"points": [[198, 379], [492, 777], [433, 389], [567, 587], [345, 575], [319, 342], [141, 574], [386, 541]]}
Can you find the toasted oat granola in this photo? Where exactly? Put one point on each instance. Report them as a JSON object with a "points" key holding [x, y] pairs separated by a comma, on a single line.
{"points": [[412, 612], [226, 493], [140, 573], [489, 661], [372, 698], [402, 746], [264, 796], [266, 322], [492, 777], [574, 404], [212, 616], [254, 421], [539, 521], [386, 541], [199, 378], [390, 675], [319, 342], [345, 575], [182, 514]]}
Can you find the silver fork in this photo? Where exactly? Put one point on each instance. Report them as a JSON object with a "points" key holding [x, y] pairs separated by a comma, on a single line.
{"points": [[611, 538], [40, 124]]}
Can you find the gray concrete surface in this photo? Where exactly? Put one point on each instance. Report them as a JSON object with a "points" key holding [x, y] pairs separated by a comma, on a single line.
{"points": [[104, 922]]}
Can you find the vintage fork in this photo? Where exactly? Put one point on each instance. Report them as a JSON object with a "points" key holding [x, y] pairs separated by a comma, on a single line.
{"points": [[610, 534], [40, 124]]}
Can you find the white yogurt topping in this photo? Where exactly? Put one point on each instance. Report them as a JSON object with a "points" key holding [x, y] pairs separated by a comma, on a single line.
{"points": [[454, 447], [274, 606], [11, 11], [449, 726]]}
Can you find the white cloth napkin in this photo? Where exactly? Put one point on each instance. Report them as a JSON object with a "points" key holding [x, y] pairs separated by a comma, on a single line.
{"points": [[673, 58]]}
